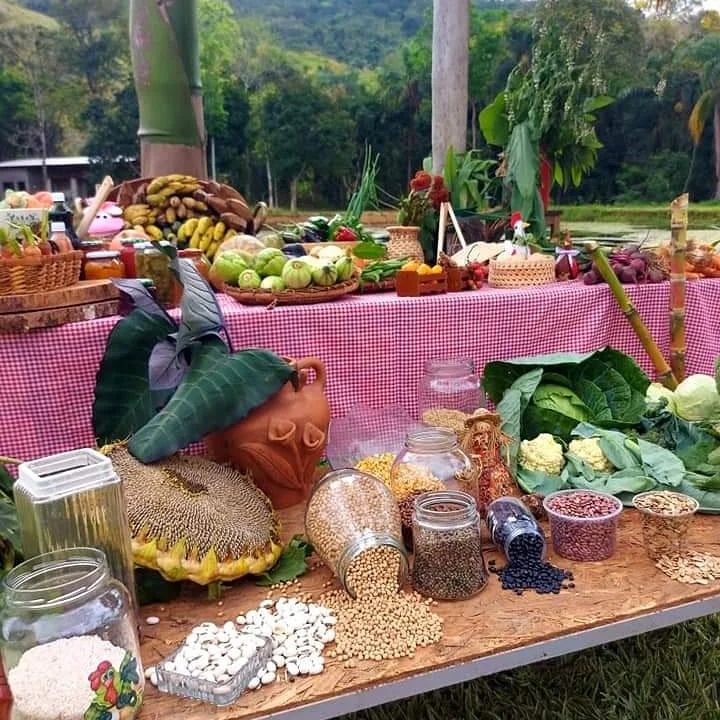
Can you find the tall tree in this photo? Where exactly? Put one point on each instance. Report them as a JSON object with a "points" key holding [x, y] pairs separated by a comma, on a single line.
{"points": [[451, 29], [166, 67]]}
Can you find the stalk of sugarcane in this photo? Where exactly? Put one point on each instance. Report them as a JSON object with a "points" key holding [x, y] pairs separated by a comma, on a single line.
{"points": [[678, 246], [664, 372]]}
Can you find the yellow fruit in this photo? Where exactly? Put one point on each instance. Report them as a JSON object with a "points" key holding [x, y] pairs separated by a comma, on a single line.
{"points": [[188, 202], [201, 206], [219, 231], [424, 269], [204, 224], [411, 266], [155, 199], [207, 238], [156, 185], [436, 269], [154, 232], [140, 220], [170, 215], [196, 238], [181, 211], [174, 201], [210, 252], [229, 233]]}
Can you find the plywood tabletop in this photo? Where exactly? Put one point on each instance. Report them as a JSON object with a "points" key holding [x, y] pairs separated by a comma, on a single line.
{"points": [[625, 587]]}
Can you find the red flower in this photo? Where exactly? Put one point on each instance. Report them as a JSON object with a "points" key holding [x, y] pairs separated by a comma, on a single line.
{"points": [[439, 196], [421, 181], [437, 182]]}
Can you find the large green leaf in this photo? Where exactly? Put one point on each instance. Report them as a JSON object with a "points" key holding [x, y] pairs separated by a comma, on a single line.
{"points": [[523, 160], [123, 401], [9, 525], [218, 390], [493, 122]]}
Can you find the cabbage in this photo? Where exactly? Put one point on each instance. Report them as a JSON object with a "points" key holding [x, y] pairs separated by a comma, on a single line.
{"points": [[657, 392], [696, 398], [561, 400]]}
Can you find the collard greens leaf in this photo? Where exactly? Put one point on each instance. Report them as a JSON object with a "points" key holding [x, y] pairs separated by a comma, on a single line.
{"points": [[535, 481], [291, 564], [218, 390], [661, 464], [123, 400]]}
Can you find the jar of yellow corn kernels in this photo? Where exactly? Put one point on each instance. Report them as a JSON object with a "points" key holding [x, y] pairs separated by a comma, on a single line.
{"points": [[348, 513]]}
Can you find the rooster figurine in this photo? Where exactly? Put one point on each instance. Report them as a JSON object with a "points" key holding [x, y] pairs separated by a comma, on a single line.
{"points": [[516, 246]]}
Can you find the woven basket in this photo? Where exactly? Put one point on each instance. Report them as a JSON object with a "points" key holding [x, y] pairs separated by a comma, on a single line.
{"points": [[20, 276], [515, 272], [291, 297], [404, 242]]}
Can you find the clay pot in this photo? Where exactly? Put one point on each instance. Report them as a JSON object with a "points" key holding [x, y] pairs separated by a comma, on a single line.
{"points": [[282, 441]]}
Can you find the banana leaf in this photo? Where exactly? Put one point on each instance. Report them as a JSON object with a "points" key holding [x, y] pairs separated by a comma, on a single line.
{"points": [[218, 390], [123, 398]]}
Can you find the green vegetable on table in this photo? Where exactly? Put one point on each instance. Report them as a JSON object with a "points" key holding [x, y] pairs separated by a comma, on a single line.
{"points": [[291, 564], [381, 270]]}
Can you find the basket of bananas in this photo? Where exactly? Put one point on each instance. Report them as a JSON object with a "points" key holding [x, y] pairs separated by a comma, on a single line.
{"points": [[186, 211]]}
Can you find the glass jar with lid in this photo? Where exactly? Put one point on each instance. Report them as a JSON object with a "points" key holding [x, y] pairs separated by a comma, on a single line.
{"points": [[103, 265], [151, 262], [448, 562], [514, 530], [349, 513], [66, 618], [450, 385]]}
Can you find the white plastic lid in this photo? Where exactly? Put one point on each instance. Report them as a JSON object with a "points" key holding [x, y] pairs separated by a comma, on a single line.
{"points": [[102, 255], [57, 196], [64, 474], [58, 227]]}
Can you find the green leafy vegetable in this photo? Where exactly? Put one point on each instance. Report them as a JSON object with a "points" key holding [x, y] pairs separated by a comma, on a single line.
{"points": [[369, 250], [561, 400], [535, 481], [218, 390], [665, 467], [291, 564]]}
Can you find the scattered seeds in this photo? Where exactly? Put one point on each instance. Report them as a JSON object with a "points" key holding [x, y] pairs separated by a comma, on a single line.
{"points": [[690, 567], [152, 620]]}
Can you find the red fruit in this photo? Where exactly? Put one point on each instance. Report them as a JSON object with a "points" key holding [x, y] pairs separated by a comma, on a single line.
{"points": [[591, 277], [655, 276], [639, 264], [628, 275]]}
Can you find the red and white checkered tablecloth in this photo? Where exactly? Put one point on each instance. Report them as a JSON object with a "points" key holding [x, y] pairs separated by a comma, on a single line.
{"points": [[374, 347]]}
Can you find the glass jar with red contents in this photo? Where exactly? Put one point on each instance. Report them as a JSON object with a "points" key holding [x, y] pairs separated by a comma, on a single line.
{"points": [[127, 257]]}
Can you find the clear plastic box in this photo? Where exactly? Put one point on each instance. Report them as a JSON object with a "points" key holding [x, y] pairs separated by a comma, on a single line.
{"points": [[223, 693]]}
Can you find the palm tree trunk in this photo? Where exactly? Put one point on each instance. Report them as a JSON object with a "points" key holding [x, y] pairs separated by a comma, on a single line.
{"points": [[716, 148], [451, 33], [166, 67]]}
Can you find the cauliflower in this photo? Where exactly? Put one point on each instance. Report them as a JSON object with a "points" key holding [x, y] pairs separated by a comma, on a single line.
{"points": [[589, 450], [543, 453]]}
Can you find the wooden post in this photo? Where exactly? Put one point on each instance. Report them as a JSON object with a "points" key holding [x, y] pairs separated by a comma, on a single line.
{"points": [[678, 242], [451, 35]]}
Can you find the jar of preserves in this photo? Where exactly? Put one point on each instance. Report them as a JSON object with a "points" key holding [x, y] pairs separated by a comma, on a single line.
{"points": [[448, 562], [65, 615], [198, 258], [127, 257], [151, 262], [450, 385], [349, 513], [103, 265], [515, 531]]}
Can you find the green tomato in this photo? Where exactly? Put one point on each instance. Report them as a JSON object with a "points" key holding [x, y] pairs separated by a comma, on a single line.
{"points": [[228, 266]]}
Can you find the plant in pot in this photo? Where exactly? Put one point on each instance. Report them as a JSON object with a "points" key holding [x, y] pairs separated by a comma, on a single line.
{"points": [[545, 117], [414, 235]]}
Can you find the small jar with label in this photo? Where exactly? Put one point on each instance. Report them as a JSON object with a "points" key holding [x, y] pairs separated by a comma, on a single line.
{"points": [[59, 237], [514, 530], [103, 265], [151, 262]]}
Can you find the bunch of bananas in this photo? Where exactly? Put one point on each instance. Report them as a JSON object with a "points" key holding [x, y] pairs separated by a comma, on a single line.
{"points": [[204, 233]]}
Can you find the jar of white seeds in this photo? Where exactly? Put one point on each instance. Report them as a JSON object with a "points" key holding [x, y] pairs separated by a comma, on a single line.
{"points": [[350, 516], [64, 614]]}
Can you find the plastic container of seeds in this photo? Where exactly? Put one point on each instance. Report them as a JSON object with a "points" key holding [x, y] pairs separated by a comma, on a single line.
{"points": [[514, 530], [219, 693], [583, 524], [348, 513], [665, 519]]}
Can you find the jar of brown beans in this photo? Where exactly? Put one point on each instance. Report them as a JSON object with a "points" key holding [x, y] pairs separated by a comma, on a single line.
{"points": [[448, 562], [348, 513]]}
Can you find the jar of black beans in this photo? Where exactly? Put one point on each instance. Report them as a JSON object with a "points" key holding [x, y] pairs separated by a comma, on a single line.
{"points": [[515, 531], [448, 563]]}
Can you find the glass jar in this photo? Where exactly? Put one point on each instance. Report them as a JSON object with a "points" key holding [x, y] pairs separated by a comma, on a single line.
{"points": [[198, 258], [514, 530], [448, 562], [66, 619], [103, 265], [127, 257], [348, 513], [150, 262], [88, 246], [450, 385]]}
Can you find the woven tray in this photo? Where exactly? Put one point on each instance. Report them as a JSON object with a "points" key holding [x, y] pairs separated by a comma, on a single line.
{"points": [[291, 297], [19, 276], [513, 273]]}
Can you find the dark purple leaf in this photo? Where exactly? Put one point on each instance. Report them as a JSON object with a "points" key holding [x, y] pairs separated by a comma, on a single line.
{"points": [[139, 297], [166, 368]]}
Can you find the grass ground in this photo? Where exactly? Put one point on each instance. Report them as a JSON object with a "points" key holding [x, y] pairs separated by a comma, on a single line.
{"points": [[669, 674], [702, 215]]}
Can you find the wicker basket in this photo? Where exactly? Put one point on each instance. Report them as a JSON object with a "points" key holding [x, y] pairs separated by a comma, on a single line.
{"points": [[291, 297], [19, 276], [404, 242], [522, 272]]}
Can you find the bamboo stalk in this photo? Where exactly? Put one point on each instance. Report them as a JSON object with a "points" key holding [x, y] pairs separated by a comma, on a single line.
{"points": [[678, 246], [664, 372]]}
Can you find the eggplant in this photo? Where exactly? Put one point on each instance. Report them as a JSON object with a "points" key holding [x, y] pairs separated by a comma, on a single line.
{"points": [[294, 250]]}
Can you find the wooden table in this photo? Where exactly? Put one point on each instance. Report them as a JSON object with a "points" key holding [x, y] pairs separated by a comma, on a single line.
{"points": [[494, 631]]}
